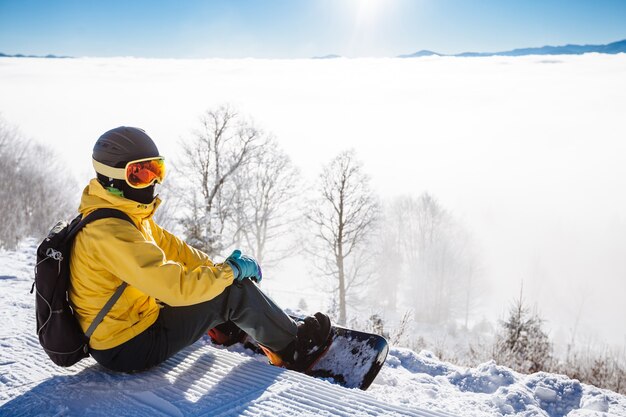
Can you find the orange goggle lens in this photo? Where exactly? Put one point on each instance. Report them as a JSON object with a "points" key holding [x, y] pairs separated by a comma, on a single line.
{"points": [[143, 173]]}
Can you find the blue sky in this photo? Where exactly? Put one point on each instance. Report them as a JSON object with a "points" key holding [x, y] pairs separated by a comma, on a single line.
{"points": [[299, 28]]}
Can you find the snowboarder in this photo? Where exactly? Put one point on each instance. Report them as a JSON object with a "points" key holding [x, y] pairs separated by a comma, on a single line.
{"points": [[175, 293]]}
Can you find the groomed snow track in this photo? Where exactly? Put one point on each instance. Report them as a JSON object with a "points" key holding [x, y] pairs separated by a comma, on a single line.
{"points": [[200, 381]]}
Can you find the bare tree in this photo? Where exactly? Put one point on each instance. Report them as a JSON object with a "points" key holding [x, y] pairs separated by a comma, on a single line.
{"points": [[35, 191], [172, 201], [423, 241], [470, 281], [402, 330], [442, 266], [266, 203], [224, 144], [387, 249], [343, 217], [11, 154]]}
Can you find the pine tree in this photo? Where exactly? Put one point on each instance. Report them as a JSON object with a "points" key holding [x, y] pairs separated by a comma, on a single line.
{"points": [[522, 343]]}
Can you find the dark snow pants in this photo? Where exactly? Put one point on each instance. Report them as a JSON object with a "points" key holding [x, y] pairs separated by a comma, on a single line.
{"points": [[242, 303]]}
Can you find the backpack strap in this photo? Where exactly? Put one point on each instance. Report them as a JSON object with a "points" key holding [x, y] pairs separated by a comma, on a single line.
{"points": [[107, 307], [102, 213], [97, 214]]}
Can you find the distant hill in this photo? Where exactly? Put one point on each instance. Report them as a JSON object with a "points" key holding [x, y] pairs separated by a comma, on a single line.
{"points": [[420, 54], [611, 48], [3, 55], [330, 56]]}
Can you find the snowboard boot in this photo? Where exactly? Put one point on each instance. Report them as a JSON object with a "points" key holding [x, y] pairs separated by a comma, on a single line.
{"points": [[226, 334], [312, 340]]}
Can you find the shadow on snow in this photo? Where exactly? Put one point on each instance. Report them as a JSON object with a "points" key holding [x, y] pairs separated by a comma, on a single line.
{"points": [[182, 386]]}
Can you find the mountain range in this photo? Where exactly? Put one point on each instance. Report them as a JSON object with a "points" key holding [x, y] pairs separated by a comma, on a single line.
{"points": [[611, 48], [2, 55]]}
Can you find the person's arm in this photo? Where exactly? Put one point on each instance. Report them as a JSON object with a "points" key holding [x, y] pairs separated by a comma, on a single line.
{"points": [[123, 251], [177, 250]]}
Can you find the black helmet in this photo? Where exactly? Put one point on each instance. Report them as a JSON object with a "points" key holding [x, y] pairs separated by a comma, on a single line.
{"points": [[115, 149], [123, 144]]}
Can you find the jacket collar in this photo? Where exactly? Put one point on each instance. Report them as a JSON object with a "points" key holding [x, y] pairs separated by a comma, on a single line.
{"points": [[95, 196]]}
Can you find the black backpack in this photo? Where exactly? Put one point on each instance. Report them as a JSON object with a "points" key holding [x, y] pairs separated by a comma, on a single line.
{"points": [[59, 333]]}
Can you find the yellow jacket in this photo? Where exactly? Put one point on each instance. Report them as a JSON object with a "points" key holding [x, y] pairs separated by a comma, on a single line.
{"points": [[154, 263]]}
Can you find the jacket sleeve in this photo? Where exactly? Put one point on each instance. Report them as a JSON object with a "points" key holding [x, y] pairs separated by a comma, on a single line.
{"points": [[177, 250], [127, 254]]}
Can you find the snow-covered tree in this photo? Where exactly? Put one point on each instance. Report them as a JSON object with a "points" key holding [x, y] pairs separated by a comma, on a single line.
{"points": [[522, 344]]}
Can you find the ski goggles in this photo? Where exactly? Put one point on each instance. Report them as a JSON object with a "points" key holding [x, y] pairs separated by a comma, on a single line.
{"points": [[140, 173]]}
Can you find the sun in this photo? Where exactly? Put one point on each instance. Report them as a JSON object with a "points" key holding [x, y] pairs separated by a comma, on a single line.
{"points": [[367, 11]]}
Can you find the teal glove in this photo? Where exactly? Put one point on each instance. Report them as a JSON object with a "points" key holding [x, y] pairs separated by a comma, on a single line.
{"points": [[244, 266]]}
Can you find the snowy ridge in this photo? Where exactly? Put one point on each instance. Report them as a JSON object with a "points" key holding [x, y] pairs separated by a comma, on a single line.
{"points": [[208, 380]]}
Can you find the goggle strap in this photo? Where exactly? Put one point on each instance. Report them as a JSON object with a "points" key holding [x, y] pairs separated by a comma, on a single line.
{"points": [[107, 171]]}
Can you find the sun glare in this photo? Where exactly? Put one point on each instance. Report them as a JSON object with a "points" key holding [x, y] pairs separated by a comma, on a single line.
{"points": [[367, 20], [367, 11]]}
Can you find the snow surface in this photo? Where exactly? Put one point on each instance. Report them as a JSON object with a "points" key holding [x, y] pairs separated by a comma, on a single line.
{"points": [[209, 380]]}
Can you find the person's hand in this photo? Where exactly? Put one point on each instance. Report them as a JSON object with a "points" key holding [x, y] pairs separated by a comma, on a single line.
{"points": [[244, 266]]}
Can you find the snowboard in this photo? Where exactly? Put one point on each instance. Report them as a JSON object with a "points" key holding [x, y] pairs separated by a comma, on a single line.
{"points": [[352, 359]]}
